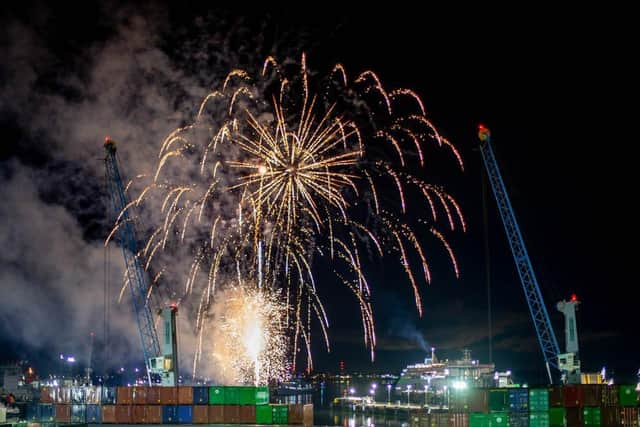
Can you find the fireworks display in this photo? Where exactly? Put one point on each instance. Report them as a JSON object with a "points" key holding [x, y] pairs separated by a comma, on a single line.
{"points": [[277, 172]]}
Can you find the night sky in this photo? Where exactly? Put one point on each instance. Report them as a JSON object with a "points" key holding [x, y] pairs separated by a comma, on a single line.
{"points": [[554, 86]]}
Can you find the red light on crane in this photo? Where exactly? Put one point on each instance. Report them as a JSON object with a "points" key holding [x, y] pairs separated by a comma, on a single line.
{"points": [[574, 297]]}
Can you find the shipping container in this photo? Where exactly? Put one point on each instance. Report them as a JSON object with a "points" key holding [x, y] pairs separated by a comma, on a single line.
{"points": [[438, 419], [63, 413], [46, 395], [153, 414], [168, 395], [499, 419], [307, 414], [31, 412], [280, 414], [124, 395], [264, 414], [139, 414], [498, 400], [201, 414], [94, 414], [185, 414], [231, 414], [78, 414], [185, 395], [140, 395], [62, 395], [591, 395], [246, 395], [169, 414], [262, 395], [518, 399], [572, 396], [557, 417], [458, 400], [610, 416], [93, 395], [201, 395], [479, 419], [232, 395], [216, 395], [574, 417], [629, 417], [538, 399], [539, 419], [628, 396], [519, 419], [123, 414], [108, 396], [556, 397], [477, 400], [46, 412], [108, 414], [591, 416], [295, 413], [610, 395], [247, 414], [153, 395], [216, 414], [458, 419]]}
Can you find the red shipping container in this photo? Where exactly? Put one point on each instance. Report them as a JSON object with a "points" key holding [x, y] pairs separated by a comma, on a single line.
{"points": [[629, 417], [153, 395], [63, 413], [123, 414], [231, 414], [458, 420], [307, 414], [45, 395], [108, 414], [248, 414], [124, 395], [591, 394], [140, 395], [556, 398], [185, 395], [138, 414], [216, 414], [296, 415], [478, 400], [168, 395], [200, 414], [153, 414], [574, 417], [572, 396], [610, 416]]}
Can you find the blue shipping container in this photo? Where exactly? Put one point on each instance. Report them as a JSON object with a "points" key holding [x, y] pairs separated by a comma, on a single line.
{"points": [[46, 412], [31, 412], [201, 395], [78, 414], [94, 414], [518, 419], [169, 414], [185, 414], [518, 399], [108, 396]]}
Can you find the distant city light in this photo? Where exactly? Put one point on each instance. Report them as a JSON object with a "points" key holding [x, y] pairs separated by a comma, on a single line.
{"points": [[352, 390], [459, 385], [71, 359]]}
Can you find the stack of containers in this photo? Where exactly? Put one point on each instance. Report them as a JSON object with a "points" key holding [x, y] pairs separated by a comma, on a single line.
{"points": [[233, 404], [538, 407], [518, 407], [628, 399]]}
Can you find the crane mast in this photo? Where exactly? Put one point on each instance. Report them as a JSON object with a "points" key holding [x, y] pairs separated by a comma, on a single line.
{"points": [[136, 275], [537, 308]]}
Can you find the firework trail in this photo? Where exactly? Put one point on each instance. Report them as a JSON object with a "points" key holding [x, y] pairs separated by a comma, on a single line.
{"points": [[276, 171]]}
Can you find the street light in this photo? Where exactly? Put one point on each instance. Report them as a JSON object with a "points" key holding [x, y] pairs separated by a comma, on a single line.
{"points": [[389, 394], [408, 394], [425, 394]]}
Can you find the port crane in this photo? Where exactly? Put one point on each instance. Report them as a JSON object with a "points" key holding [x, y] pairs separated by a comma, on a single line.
{"points": [[567, 363], [161, 360]]}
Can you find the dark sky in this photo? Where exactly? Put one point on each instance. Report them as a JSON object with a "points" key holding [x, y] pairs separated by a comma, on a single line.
{"points": [[555, 86]]}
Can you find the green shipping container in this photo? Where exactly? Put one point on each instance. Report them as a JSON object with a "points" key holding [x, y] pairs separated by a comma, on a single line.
{"points": [[262, 395], [478, 419], [557, 417], [538, 400], [232, 395], [628, 395], [499, 419], [591, 416], [264, 414], [247, 395], [216, 395], [498, 400], [280, 414], [539, 419]]}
